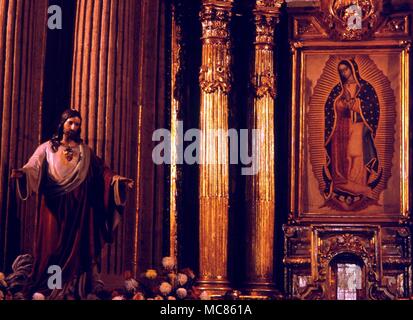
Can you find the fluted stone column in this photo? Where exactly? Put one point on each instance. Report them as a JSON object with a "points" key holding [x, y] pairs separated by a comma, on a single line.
{"points": [[260, 190], [101, 71], [23, 26], [215, 82], [102, 80]]}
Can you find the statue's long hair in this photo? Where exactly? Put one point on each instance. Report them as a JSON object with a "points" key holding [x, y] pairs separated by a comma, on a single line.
{"points": [[58, 136]]}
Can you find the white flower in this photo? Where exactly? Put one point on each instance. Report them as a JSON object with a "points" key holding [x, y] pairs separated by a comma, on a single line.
{"points": [[165, 288], [182, 279], [131, 284], [181, 293], [204, 296], [168, 263], [118, 298], [38, 296]]}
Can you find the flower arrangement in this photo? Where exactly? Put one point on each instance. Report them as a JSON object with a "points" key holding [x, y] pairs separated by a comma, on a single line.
{"points": [[167, 283]]}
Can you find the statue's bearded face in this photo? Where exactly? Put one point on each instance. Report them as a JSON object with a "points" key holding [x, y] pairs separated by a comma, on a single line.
{"points": [[71, 127]]}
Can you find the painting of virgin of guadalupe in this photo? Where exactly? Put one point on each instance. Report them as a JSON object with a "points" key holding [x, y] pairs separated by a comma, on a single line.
{"points": [[351, 153], [352, 114]]}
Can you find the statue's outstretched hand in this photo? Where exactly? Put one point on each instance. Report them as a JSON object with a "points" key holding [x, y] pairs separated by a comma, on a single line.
{"points": [[17, 174], [129, 182]]}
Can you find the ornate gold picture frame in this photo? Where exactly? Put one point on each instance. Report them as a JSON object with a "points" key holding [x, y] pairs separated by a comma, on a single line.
{"points": [[350, 131]]}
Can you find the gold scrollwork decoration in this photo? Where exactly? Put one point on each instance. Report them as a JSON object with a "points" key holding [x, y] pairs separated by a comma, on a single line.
{"points": [[351, 19], [265, 26], [216, 78], [270, 3], [344, 243], [395, 25], [215, 22], [290, 231], [305, 26], [215, 17], [264, 84]]}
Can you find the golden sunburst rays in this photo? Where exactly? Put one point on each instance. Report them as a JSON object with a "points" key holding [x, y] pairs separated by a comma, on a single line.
{"points": [[315, 117], [385, 134]]}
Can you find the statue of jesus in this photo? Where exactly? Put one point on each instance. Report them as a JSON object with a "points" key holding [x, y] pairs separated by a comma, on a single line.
{"points": [[81, 200]]}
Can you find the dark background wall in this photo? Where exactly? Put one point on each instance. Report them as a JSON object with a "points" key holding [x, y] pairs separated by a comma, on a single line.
{"points": [[58, 68]]}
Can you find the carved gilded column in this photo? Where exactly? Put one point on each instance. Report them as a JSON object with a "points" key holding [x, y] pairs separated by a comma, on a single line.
{"points": [[260, 190], [215, 82]]}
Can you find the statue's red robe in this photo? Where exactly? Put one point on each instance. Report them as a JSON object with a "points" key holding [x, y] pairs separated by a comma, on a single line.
{"points": [[79, 207]]}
